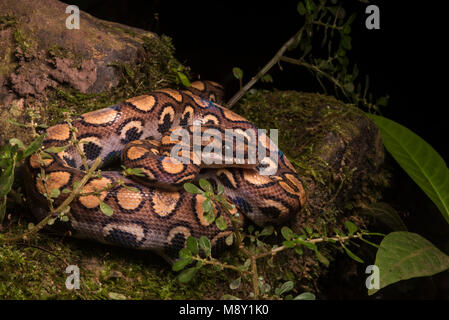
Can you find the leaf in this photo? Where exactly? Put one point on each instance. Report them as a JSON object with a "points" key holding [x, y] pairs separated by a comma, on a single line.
{"points": [[221, 223], [352, 228], [403, 255], [54, 193], [305, 296], [205, 245], [229, 240], [229, 297], [34, 146], [56, 149], [267, 231], [207, 206], [191, 188], [185, 253], [187, 275], [116, 296], [352, 255], [267, 78], [192, 245], [220, 189], [235, 283], [184, 80], [421, 162], [106, 209], [237, 72], [287, 233], [15, 141], [322, 258], [206, 185], [6, 180], [288, 244], [180, 264], [385, 214], [301, 9], [286, 287]]}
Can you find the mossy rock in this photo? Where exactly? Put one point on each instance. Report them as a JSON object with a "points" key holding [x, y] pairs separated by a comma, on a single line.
{"points": [[50, 69]]}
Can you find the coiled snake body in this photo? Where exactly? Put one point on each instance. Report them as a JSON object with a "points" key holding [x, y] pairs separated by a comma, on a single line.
{"points": [[155, 212]]}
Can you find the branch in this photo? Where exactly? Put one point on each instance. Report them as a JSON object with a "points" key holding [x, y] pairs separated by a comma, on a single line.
{"points": [[296, 38]]}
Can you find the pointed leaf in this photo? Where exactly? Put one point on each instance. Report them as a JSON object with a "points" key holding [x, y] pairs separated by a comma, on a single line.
{"points": [[404, 255], [421, 162]]}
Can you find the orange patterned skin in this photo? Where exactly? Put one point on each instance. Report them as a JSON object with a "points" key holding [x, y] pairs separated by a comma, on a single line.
{"points": [[157, 213]]}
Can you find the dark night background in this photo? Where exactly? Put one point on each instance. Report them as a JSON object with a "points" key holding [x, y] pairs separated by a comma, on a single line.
{"points": [[405, 59]]}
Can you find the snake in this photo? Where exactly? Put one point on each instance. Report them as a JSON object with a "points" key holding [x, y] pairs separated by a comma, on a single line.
{"points": [[150, 209]]}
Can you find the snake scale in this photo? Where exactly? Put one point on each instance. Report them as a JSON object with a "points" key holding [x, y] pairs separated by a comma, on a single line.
{"points": [[154, 212]]}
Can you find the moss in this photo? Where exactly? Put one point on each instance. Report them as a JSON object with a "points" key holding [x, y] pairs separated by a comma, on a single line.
{"points": [[36, 270], [7, 21]]}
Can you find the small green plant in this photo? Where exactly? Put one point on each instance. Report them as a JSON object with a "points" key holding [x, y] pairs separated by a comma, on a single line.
{"points": [[327, 60], [252, 246]]}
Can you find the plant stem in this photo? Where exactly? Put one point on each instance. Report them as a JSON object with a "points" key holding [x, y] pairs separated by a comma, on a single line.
{"points": [[25, 235], [296, 38]]}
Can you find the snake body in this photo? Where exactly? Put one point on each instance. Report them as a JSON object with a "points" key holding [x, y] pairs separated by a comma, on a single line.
{"points": [[154, 212]]}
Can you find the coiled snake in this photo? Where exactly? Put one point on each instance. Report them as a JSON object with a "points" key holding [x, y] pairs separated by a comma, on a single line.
{"points": [[154, 212]]}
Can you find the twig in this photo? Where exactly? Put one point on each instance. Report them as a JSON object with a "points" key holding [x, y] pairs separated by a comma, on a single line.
{"points": [[296, 38]]}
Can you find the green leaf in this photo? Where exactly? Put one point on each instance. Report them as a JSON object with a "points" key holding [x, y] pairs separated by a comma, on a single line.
{"points": [[287, 233], [322, 258], [192, 245], [187, 274], [229, 297], [352, 228], [135, 172], [286, 287], [421, 162], [34, 146], [191, 188], [206, 185], [267, 231], [404, 255], [207, 206], [221, 223], [220, 189], [205, 245], [56, 149], [301, 8], [6, 180], [106, 209], [235, 283], [238, 73], [289, 244], [305, 296], [385, 214], [352, 255], [267, 78], [116, 296], [15, 141], [54, 193], [184, 80], [185, 253], [180, 264]]}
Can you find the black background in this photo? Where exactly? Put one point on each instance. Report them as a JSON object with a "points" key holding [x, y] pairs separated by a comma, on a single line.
{"points": [[406, 58]]}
